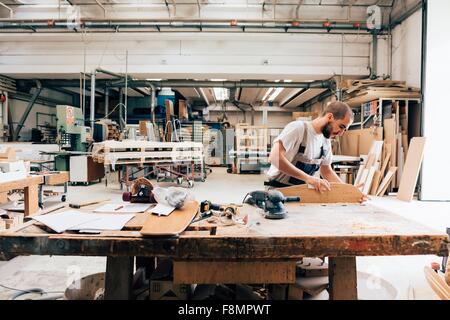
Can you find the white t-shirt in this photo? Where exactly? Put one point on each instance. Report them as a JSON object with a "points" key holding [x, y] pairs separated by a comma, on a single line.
{"points": [[292, 136]]}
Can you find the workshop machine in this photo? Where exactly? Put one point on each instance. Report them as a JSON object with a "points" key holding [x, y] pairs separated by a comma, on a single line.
{"points": [[73, 136]]}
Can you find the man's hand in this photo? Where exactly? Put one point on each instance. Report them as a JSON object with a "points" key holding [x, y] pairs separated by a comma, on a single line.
{"points": [[364, 197], [320, 185]]}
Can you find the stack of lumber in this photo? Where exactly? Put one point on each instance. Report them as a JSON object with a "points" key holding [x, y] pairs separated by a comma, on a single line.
{"points": [[144, 152], [112, 131], [357, 92], [372, 173]]}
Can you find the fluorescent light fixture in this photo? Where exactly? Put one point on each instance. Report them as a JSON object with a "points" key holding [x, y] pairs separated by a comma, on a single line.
{"points": [[153, 79], [221, 94], [275, 94], [218, 79], [267, 94]]}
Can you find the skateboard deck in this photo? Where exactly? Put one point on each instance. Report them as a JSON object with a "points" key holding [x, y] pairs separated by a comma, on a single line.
{"points": [[173, 224], [339, 193]]}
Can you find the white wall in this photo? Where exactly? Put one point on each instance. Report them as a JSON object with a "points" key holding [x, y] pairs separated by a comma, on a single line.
{"points": [[407, 50], [435, 173]]}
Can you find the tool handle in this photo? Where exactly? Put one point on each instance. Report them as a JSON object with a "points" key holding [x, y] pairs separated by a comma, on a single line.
{"points": [[292, 199]]}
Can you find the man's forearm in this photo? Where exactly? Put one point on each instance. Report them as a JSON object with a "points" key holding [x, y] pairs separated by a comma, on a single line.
{"points": [[330, 175], [288, 168]]}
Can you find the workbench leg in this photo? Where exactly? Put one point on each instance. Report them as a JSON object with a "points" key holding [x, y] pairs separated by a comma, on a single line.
{"points": [[119, 278], [31, 199], [342, 278]]}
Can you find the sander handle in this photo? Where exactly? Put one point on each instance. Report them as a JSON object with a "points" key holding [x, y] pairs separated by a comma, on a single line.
{"points": [[292, 199]]}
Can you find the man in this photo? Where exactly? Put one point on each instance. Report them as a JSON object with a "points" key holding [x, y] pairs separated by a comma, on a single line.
{"points": [[303, 148]]}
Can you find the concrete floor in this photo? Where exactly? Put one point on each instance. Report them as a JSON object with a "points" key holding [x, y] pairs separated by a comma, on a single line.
{"points": [[405, 274]]}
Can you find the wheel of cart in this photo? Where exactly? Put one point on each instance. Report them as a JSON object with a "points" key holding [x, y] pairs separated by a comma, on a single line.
{"points": [[190, 183], [179, 180]]}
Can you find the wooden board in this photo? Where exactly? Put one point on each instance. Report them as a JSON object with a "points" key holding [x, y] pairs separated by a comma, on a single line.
{"points": [[212, 272], [369, 180], [375, 183], [173, 224], [367, 138], [349, 143], [390, 138], [339, 193], [57, 178], [20, 184], [437, 283], [386, 161], [411, 169], [386, 181]]}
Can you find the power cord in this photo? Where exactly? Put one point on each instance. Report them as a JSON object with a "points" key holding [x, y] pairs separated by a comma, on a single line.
{"points": [[21, 292]]}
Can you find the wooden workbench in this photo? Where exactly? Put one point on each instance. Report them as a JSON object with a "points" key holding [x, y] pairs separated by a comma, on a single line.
{"points": [[338, 231], [30, 185]]}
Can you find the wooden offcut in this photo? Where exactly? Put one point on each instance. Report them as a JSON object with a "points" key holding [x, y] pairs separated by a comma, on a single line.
{"points": [[437, 283], [212, 272], [411, 169], [173, 224], [339, 193]]}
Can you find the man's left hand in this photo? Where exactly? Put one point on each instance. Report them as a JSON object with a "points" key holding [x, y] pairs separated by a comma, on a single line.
{"points": [[364, 197]]}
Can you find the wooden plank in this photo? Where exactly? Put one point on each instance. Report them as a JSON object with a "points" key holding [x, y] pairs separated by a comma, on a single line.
{"points": [[173, 224], [339, 193], [411, 169], [342, 278], [375, 183], [437, 283], [54, 179], [20, 184], [386, 161], [390, 138], [369, 180], [359, 175], [349, 143], [212, 272], [386, 181], [31, 199], [367, 138], [119, 278]]}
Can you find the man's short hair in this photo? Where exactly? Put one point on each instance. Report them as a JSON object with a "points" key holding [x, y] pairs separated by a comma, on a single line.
{"points": [[339, 110]]}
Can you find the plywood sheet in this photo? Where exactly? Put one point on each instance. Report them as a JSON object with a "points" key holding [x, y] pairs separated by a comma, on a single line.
{"points": [[411, 169], [173, 224], [339, 193]]}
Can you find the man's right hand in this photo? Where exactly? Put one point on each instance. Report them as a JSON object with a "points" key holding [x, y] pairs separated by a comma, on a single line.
{"points": [[320, 185]]}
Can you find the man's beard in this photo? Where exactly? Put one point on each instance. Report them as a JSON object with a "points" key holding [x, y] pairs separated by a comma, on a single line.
{"points": [[326, 130]]}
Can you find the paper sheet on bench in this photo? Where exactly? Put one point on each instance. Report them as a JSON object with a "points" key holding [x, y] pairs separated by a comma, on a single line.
{"points": [[75, 220], [110, 222], [62, 221], [162, 209], [127, 207]]}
